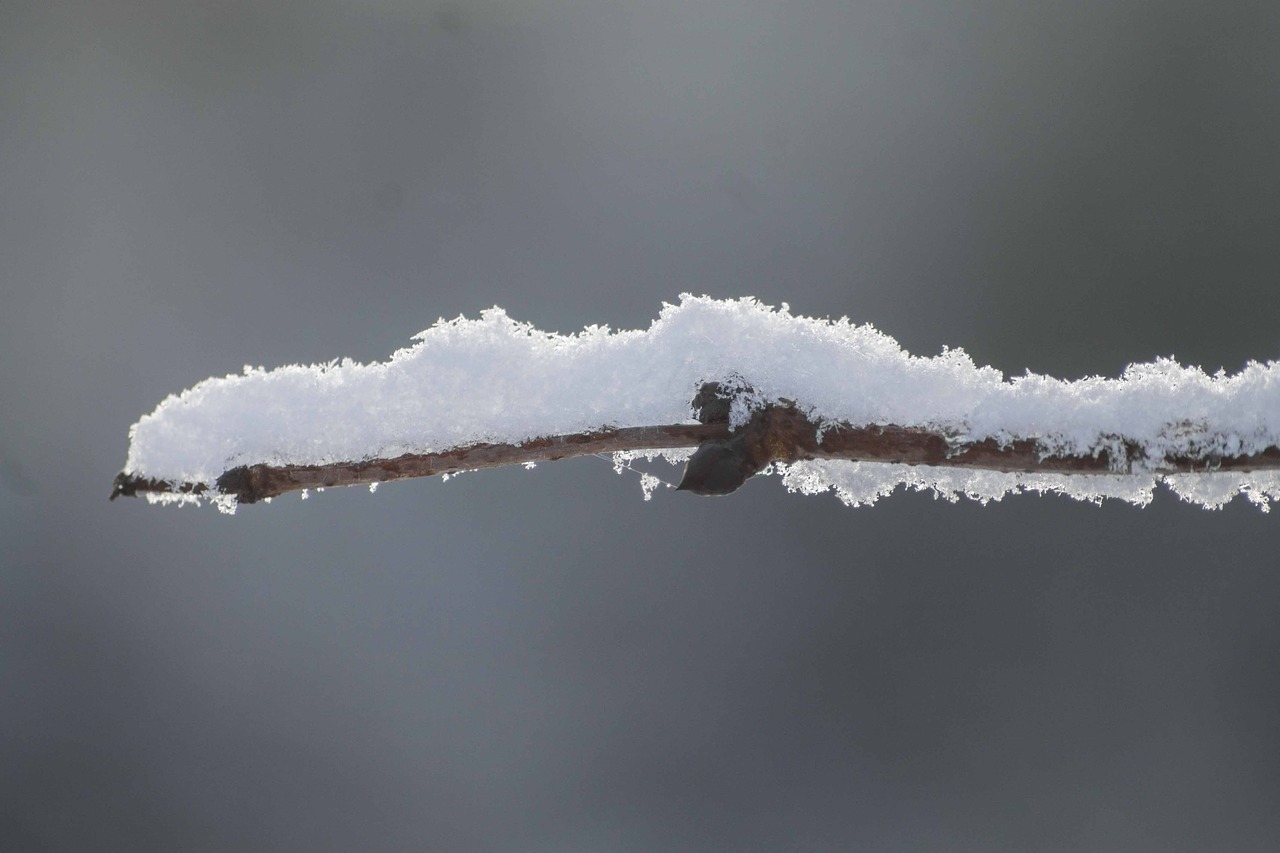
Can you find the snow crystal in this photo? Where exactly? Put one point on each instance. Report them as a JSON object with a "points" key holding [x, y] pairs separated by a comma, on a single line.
{"points": [[648, 483], [494, 379]]}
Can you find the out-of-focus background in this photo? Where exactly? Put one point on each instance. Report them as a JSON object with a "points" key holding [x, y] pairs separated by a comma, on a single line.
{"points": [[541, 660]]}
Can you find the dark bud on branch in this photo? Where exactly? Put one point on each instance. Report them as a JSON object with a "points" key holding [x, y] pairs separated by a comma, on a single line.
{"points": [[775, 433], [712, 403], [718, 467]]}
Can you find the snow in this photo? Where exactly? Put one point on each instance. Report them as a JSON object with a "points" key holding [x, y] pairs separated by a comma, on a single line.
{"points": [[494, 379]]}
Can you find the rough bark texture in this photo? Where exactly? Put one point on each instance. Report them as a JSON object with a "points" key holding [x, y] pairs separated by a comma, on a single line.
{"points": [[725, 459]]}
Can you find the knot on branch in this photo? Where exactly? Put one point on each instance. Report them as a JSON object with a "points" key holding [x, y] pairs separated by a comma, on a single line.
{"points": [[778, 432], [248, 483]]}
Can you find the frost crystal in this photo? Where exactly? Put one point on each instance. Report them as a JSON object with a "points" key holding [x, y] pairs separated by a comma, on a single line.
{"points": [[496, 380], [648, 483]]}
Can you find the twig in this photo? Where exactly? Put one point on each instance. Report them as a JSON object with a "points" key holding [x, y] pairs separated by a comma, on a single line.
{"points": [[252, 483], [725, 459]]}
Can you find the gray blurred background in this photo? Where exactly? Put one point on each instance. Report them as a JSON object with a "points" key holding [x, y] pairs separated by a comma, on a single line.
{"points": [[541, 660]]}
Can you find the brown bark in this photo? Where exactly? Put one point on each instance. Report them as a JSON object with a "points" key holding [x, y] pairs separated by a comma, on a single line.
{"points": [[777, 433], [252, 483]]}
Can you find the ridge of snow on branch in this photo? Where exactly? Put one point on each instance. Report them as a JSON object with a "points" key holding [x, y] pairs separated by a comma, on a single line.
{"points": [[495, 380]]}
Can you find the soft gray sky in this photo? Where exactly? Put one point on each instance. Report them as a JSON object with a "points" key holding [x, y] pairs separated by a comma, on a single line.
{"points": [[541, 660]]}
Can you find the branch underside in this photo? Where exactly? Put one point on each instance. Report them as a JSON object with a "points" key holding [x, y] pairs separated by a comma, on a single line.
{"points": [[725, 459]]}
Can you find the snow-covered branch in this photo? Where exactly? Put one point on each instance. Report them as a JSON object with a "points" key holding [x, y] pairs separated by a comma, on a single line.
{"points": [[828, 405], [252, 483]]}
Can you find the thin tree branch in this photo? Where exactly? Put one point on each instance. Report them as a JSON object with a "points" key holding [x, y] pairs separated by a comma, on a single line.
{"points": [[725, 459], [252, 483]]}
